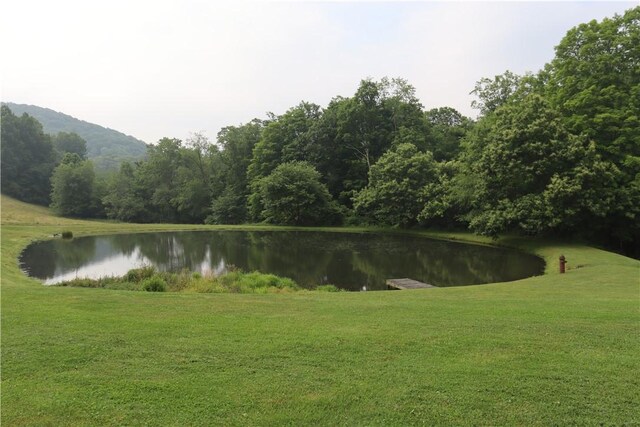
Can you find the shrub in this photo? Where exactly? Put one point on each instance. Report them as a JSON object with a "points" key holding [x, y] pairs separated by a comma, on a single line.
{"points": [[154, 284], [139, 274], [259, 282], [180, 281], [81, 283], [205, 285], [67, 234]]}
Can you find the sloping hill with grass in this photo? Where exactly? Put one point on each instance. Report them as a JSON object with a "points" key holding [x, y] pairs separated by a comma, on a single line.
{"points": [[548, 350], [106, 147]]}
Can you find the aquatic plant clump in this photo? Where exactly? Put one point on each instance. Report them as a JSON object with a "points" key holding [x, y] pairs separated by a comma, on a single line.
{"points": [[149, 279], [154, 283]]}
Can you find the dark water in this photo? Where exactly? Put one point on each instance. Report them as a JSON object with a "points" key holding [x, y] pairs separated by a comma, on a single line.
{"points": [[349, 260]]}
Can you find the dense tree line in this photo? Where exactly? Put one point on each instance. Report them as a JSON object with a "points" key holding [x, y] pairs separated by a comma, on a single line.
{"points": [[557, 152], [29, 156]]}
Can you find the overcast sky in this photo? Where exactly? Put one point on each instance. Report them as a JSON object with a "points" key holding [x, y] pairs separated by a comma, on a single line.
{"points": [[170, 68]]}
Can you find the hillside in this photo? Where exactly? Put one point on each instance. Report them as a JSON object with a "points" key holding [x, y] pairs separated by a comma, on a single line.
{"points": [[106, 147]]}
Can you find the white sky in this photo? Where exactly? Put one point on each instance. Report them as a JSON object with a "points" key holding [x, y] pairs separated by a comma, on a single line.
{"points": [[169, 68]]}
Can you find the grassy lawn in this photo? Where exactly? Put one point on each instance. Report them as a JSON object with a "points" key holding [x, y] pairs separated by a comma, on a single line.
{"points": [[549, 350]]}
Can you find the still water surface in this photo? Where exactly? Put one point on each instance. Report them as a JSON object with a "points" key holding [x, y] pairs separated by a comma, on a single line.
{"points": [[353, 261]]}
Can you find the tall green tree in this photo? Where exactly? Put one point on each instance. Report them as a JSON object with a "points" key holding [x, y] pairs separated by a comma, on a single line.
{"points": [[294, 195], [124, 198], [398, 187], [379, 115], [284, 139], [447, 128], [157, 176], [492, 93], [199, 166], [594, 81], [177, 181], [70, 142], [405, 110], [28, 158], [365, 126], [329, 156], [530, 174], [237, 144], [73, 192]]}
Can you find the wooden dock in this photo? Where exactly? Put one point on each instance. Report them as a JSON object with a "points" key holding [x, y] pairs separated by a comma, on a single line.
{"points": [[407, 284]]}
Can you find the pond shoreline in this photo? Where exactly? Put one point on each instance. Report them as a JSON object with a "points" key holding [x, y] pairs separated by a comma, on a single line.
{"points": [[361, 259]]}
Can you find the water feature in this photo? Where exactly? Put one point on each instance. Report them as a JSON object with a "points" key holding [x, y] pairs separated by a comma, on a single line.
{"points": [[353, 261]]}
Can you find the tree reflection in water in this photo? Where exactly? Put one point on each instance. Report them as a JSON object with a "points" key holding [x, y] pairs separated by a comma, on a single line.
{"points": [[348, 260]]}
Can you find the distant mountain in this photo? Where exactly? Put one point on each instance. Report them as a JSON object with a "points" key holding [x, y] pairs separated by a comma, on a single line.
{"points": [[107, 148]]}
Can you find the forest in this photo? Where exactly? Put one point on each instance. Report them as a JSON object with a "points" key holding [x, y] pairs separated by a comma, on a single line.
{"points": [[553, 153]]}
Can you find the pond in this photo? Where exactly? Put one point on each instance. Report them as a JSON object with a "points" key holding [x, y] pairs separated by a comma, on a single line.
{"points": [[352, 261]]}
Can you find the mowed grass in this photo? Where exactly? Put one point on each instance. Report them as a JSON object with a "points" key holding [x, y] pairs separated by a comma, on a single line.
{"points": [[549, 350]]}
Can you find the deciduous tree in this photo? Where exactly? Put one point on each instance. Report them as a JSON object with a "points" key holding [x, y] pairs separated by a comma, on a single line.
{"points": [[531, 174], [294, 195], [73, 192], [28, 158], [397, 185], [70, 142]]}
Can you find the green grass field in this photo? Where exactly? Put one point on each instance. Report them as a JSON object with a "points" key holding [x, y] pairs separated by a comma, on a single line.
{"points": [[549, 350]]}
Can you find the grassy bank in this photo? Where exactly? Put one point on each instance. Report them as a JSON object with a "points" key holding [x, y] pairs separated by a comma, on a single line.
{"points": [[546, 350]]}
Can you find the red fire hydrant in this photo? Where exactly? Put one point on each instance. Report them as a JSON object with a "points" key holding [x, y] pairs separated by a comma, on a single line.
{"points": [[563, 261]]}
